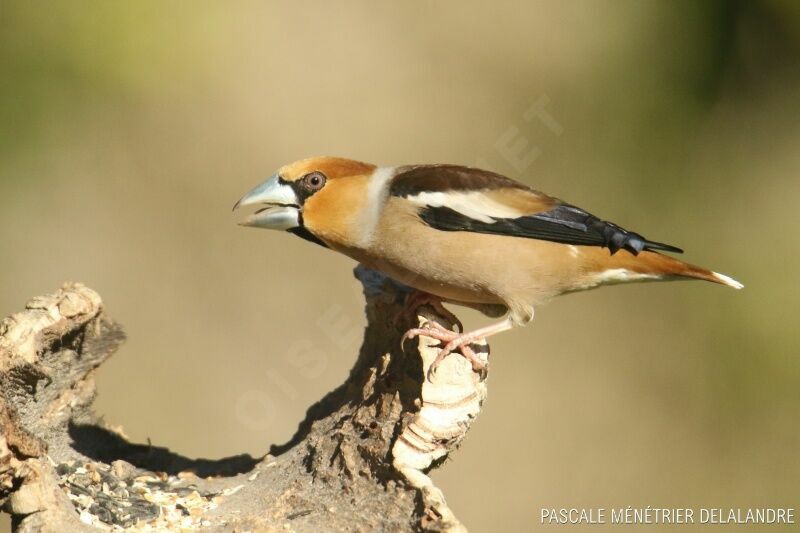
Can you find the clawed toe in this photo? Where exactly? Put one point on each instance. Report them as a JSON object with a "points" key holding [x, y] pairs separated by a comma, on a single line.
{"points": [[479, 366], [430, 329], [452, 341]]}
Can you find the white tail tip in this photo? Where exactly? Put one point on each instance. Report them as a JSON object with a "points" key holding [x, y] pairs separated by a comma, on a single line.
{"points": [[727, 280]]}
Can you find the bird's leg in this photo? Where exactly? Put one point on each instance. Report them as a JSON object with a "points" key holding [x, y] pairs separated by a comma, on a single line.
{"points": [[455, 340], [417, 299]]}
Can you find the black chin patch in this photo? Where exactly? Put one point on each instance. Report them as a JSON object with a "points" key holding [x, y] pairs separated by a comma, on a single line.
{"points": [[303, 233]]}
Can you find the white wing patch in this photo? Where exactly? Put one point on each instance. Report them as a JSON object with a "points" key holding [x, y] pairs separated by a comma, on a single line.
{"points": [[472, 204], [377, 193]]}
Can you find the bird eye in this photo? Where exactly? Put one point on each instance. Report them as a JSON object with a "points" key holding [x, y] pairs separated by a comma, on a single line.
{"points": [[314, 181]]}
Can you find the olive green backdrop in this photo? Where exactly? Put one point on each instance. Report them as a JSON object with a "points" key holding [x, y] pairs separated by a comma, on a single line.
{"points": [[127, 131]]}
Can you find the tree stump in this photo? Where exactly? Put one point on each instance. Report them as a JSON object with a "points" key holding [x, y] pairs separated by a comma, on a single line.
{"points": [[357, 462]]}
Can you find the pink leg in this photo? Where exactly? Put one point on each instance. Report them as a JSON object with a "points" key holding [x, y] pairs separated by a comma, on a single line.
{"points": [[455, 340], [419, 298]]}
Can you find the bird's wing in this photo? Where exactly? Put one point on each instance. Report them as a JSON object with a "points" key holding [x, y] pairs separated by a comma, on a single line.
{"points": [[454, 198]]}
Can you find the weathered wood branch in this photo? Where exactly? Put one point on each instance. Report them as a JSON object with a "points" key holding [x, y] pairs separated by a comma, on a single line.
{"points": [[357, 461]]}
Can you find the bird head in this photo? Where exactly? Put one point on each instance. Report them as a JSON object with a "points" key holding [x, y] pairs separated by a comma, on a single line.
{"points": [[317, 195]]}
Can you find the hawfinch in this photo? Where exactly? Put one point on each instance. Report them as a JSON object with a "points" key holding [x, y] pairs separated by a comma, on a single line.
{"points": [[460, 235]]}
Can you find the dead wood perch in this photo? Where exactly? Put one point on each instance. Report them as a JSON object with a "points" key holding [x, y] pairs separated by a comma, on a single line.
{"points": [[357, 462]]}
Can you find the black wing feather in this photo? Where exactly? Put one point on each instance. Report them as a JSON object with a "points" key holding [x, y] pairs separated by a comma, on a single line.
{"points": [[565, 224]]}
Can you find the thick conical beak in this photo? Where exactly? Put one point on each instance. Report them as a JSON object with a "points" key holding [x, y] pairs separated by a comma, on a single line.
{"points": [[281, 210]]}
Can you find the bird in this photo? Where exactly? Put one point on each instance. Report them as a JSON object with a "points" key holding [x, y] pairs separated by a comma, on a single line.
{"points": [[460, 235]]}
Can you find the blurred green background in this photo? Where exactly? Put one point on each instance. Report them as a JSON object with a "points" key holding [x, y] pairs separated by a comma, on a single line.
{"points": [[127, 131]]}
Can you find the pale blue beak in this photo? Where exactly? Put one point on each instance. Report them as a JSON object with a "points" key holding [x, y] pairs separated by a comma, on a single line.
{"points": [[280, 206]]}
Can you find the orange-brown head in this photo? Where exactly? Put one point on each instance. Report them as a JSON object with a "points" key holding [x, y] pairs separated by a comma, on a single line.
{"points": [[332, 167], [319, 198]]}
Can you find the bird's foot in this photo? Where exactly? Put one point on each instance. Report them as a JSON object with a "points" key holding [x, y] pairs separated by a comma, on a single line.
{"points": [[452, 340], [419, 298]]}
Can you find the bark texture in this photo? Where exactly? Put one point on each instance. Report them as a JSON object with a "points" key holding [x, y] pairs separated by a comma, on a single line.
{"points": [[357, 462]]}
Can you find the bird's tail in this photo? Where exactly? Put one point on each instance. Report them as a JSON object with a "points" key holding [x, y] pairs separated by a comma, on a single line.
{"points": [[654, 265]]}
